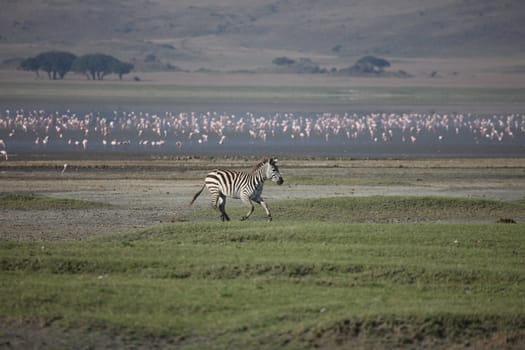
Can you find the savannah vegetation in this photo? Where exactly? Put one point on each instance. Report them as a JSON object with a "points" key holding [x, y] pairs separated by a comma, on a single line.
{"points": [[366, 66], [347, 272], [40, 202], [296, 285], [329, 273], [391, 209], [58, 63], [363, 272], [317, 97]]}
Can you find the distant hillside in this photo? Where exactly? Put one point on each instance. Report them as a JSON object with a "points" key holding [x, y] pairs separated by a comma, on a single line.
{"points": [[247, 34]]}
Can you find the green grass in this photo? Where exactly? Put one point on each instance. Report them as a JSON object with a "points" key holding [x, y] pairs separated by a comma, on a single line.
{"points": [[40, 202], [153, 94], [323, 181], [377, 209], [288, 283]]}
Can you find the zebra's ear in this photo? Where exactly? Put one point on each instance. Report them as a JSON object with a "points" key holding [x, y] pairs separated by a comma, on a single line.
{"points": [[275, 160]]}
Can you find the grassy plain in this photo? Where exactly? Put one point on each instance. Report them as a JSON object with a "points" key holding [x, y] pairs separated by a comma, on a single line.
{"points": [[381, 272], [39, 202], [307, 94], [338, 270], [292, 284], [380, 209], [151, 94]]}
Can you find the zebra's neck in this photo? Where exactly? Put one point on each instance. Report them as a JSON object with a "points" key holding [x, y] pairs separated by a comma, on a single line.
{"points": [[259, 174]]}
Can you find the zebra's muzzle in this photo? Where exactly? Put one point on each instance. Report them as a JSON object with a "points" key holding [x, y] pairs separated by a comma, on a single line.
{"points": [[280, 181]]}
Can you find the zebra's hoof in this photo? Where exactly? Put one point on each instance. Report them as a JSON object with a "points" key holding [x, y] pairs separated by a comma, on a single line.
{"points": [[244, 218], [269, 219]]}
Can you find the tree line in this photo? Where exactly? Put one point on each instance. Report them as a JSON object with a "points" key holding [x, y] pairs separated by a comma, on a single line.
{"points": [[58, 63], [365, 66]]}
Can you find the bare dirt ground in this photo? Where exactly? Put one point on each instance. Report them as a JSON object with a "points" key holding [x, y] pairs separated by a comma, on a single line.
{"points": [[143, 195]]}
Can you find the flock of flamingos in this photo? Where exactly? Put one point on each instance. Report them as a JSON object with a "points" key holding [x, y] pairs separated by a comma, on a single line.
{"points": [[38, 130]]}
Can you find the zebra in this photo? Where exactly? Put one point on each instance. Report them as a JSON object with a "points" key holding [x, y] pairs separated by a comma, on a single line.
{"points": [[246, 186]]}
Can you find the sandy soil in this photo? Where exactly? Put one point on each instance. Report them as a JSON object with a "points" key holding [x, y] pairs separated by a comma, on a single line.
{"points": [[140, 197]]}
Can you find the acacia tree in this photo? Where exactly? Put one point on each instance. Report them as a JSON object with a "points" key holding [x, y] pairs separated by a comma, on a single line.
{"points": [[121, 68], [58, 63], [55, 63], [97, 66], [283, 61], [371, 64], [30, 64], [94, 66]]}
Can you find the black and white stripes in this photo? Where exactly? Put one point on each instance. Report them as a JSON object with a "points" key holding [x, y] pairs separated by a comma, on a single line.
{"points": [[246, 186]]}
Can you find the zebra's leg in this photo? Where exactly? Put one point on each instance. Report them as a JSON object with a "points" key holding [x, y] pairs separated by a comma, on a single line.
{"points": [[265, 206], [248, 202], [222, 208], [214, 199], [218, 202]]}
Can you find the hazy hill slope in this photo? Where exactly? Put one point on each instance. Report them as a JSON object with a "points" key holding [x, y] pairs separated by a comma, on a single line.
{"points": [[179, 31]]}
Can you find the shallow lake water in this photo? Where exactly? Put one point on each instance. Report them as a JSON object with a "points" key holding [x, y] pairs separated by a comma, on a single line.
{"points": [[326, 134]]}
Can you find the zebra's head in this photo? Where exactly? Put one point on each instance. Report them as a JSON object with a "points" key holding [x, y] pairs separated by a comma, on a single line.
{"points": [[272, 171]]}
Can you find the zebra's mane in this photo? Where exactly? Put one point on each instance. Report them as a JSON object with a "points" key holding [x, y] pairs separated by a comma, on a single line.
{"points": [[261, 162]]}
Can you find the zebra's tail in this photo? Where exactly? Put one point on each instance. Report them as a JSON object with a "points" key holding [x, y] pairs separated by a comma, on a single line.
{"points": [[197, 194]]}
